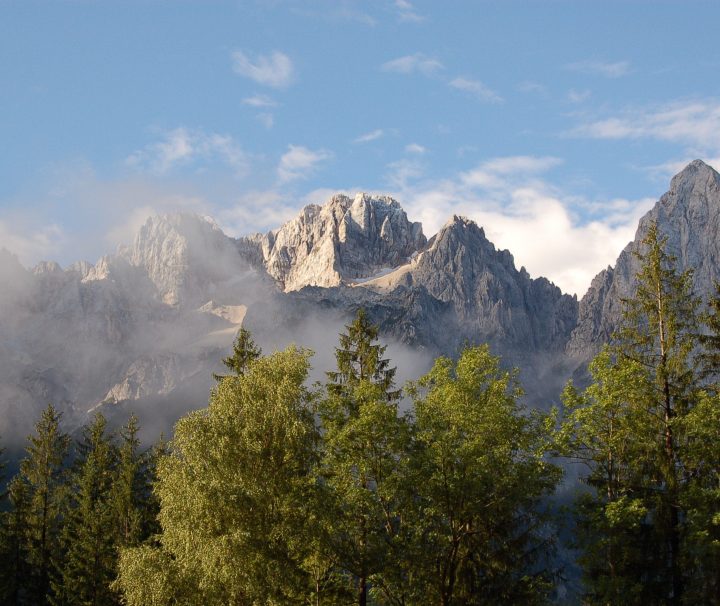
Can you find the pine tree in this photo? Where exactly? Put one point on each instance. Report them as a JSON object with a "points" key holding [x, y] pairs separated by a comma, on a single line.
{"points": [[43, 475], [245, 352], [88, 566], [633, 418], [364, 447]]}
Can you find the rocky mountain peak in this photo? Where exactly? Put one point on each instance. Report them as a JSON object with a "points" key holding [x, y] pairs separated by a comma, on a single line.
{"points": [[688, 216], [182, 255], [696, 177], [343, 240]]}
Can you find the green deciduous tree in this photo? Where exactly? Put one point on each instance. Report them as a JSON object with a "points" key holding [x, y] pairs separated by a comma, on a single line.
{"points": [[234, 492], [479, 470]]}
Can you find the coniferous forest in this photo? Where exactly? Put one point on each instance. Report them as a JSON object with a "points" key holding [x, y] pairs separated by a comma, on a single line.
{"points": [[360, 491]]}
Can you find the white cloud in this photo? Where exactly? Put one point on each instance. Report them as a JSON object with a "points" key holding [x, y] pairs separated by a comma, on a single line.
{"points": [[407, 12], [299, 162], [476, 88], [29, 242], [692, 122], [415, 148], [274, 70], [409, 64], [403, 172], [553, 234], [371, 136], [260, 101], [578, 96], [255, 211], [594, 67], [183, 147]]}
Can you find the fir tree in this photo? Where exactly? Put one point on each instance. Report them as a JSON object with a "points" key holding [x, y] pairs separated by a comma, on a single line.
{"points": [[245, 352], [364, 447], [88, 566], [129, 491], [629, 426], [360, 358], [710, 341], [42, 473], [15, 572]]}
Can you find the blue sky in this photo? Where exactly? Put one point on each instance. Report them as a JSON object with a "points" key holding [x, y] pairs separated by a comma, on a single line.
{"points": [[553, 124]]}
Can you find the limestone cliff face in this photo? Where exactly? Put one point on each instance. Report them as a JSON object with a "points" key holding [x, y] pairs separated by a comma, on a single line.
{"points": [[688, 215], [343, 240], [188, 258]]}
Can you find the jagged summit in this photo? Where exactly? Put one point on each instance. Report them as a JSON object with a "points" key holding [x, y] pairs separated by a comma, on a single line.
{"points": [[343, 240], [688, 215]]}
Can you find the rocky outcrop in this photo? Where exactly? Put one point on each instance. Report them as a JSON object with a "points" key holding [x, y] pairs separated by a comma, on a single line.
{"points": [[341, 241], [188, 258], [688, 216]]}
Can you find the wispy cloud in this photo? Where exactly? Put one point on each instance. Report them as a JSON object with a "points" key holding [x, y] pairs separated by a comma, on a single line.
{"points": [[594, 67], [529, 86], [415, 148], [300, 162], [578, 96], [373, 135], [183, 147], [260, 101], [407, 12], [476, 88], [410, 64], [694, 123], [274, 70], [30, 242]]}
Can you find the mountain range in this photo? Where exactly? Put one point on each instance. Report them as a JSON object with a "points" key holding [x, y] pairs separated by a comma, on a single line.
{"points": [[144, 328]]}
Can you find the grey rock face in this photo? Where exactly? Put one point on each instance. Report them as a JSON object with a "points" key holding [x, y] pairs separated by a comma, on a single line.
{"points": [[338, 242], [187, 258], [688, 215]]}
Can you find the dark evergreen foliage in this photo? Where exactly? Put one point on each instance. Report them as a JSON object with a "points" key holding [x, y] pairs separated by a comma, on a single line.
{"points": [[360, 358], [245, 352]]}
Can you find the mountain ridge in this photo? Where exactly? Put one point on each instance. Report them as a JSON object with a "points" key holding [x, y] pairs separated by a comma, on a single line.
{"points": [[141, 324]]}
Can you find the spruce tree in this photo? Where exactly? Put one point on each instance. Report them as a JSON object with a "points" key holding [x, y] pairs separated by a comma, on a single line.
{"points": [[245, 352], [630, 428], [89, 536], [360, 358], [710, 341], [16, 533], [129, 491], [43, 474], [364, 446]]}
